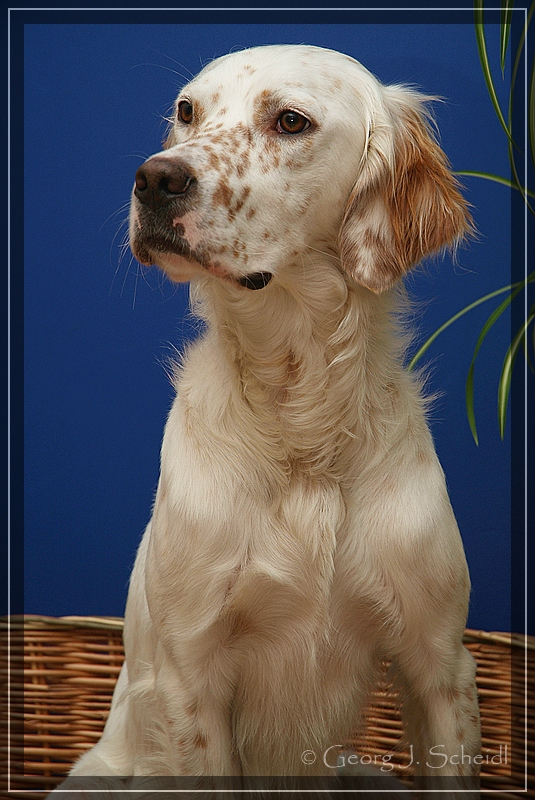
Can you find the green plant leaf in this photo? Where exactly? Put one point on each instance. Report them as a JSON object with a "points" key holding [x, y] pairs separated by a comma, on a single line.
{"points": [[469, 402], [489, 176], [517, 61], [531, 112], [485, 65], [428, 342], [516, 180], [520, 47], [514, 72], [526, 352], [503, 390], [504, 385], [469, 392], [505, 30]]}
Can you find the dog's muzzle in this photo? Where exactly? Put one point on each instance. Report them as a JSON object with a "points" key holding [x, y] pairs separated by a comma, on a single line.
{"points": [[163, 186]]}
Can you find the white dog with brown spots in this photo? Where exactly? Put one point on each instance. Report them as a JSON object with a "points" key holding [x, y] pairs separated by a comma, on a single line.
{"points": [[302, 531]]}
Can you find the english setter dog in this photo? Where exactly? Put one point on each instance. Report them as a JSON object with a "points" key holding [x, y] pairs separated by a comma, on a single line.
{"points": [[301, 532]]}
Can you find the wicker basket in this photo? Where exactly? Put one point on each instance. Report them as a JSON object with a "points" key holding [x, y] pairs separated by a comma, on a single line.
{"points": [[62, 672]]}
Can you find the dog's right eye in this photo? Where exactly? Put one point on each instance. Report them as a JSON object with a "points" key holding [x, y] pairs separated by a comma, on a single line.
{"points": [[185, 112], [291, 122]]}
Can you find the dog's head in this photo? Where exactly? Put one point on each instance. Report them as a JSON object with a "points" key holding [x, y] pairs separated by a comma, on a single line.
{"points": [[280, 151]]}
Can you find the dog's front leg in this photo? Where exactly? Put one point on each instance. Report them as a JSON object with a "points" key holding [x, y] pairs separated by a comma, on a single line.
{"points": [[442, 721], [194, 698], [417, 579]]}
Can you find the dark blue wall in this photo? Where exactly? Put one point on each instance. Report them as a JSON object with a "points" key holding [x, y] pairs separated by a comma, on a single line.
{"points": [[97, 326]]}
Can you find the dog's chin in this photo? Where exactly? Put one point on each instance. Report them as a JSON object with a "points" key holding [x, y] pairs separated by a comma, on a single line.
{"points": [[178, 267], [182, 264]]}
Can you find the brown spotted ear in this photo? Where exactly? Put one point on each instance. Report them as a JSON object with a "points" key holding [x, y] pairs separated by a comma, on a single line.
{"points": [[406, 203]]}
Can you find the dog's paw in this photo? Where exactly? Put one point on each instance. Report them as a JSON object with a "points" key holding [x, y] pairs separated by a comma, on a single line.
{"points": [[80, 787], [368, 778]]}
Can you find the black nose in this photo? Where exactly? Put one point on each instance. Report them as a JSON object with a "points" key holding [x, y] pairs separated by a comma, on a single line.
{"points": [[161, 180]]}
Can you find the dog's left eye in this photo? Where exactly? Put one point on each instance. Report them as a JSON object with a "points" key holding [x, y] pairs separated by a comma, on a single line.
{"points": [[292, 122]]}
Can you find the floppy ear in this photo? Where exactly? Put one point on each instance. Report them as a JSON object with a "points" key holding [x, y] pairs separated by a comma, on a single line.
{"points": [[406, 203]]}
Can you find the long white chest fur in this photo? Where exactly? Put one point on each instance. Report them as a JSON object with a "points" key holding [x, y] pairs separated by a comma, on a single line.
{"points": [[285, 547]]}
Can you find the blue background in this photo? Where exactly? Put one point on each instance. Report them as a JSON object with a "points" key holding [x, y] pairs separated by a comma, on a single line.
{"points": [[98, 327]]}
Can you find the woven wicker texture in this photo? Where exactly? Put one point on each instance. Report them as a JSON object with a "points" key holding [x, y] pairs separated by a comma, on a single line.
{"points": [[59, 677]]}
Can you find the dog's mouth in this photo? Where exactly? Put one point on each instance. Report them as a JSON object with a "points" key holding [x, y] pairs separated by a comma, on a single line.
{"points": [[147, 244], [150, 239]]}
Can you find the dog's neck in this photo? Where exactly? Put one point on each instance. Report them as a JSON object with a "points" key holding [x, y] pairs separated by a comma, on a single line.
{"points": [[301, 348]]}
